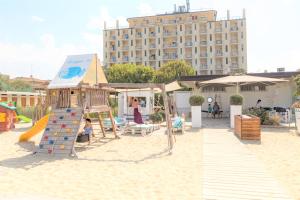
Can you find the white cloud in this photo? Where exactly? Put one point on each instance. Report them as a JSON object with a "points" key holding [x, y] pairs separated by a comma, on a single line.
{"points": [[44, 58], [37, 19], [145, 9]]}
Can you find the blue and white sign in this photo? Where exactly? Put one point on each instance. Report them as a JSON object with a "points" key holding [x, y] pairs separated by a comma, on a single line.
{"points": [[72, 72]]}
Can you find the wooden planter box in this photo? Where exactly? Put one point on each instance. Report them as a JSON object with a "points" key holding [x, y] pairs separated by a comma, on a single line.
{"points": [[247, 127]]}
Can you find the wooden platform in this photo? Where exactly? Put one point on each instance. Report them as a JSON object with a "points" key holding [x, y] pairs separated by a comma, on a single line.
{"points": [[247, 127], [232, 172]]}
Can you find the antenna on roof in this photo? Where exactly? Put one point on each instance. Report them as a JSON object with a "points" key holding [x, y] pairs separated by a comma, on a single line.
{"points": [[187, 5]]}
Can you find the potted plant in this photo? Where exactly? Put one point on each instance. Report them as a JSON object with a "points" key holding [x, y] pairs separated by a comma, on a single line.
{"points": [[296, 105], [196, 102], [236, 102], [156, 117]]}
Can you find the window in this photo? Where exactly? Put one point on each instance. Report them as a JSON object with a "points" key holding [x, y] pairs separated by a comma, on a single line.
{"points": [[211, 61], [242, 59], [105, 44], [210, 37], [145, 63], [159, 52], [226, 61], [180, 27], [196, 61], [118, 43], [242, 35], [210, 49], [145, 42], [131, 42], [158, 29], [158, 63], [145, 53], [225, 36], [180, 39], [105, 55], [225, 24], [105, 33], [131, 54], [213, 88], [226, 48], [118, 32], [145, 31], [242, 47], [118, 54], [195, 49], [195, 38], [181, 51], [251, 88], [131, 31], [210, 25], [158, 40], [242, 23], [195, 27]]}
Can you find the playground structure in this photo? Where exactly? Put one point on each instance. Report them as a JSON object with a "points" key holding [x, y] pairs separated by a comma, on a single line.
{"points": [[8, 117], [72, 95]]}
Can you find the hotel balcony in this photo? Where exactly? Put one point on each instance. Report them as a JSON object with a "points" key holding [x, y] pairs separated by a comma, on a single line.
{"points": [[152, 58], [125, 59], [234, 41], [219, 54], [138, 35], [218, 30], [234, 54], [174, 45], [203, 55], [125, 37], [203, 31], [170, 56], [125, 48], [188, 32], [138, 47], [189, 44], [188, 56], [113, 37], [113, 59], [169, 21], [152, 35], [138, 59], [234, 28], [170, 34], [234, 65], [219, 66], [218, 42], [203, 43], [152, 46], [203, 66]]}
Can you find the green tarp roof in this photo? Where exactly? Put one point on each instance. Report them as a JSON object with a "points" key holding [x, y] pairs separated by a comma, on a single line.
{"points": [[4, 105]]}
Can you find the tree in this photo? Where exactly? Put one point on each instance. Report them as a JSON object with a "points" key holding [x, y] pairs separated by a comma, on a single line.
{"points": [[8, 85], [130, 73], [172, 71]]}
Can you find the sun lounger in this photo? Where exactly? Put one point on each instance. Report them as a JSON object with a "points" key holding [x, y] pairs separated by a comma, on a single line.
{"points": [[120, 122], [143, 129], [178, 124]]}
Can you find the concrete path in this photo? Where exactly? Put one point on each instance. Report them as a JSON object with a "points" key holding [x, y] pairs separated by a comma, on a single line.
{"points": [[232, 172]]}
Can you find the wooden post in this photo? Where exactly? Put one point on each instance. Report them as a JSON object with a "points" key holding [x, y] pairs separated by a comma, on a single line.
{"points": [[113, 123], [168, 119], [101, 124]]}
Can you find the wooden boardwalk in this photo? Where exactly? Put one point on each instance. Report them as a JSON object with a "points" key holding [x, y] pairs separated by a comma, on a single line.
{"points": [[232, 172]]}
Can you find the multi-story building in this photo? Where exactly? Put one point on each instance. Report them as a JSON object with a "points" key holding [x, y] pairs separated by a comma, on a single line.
{"points": [[211, 46]]}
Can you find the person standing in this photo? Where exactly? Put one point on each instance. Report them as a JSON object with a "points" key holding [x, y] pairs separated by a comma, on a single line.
{"points": [[136, 113]]}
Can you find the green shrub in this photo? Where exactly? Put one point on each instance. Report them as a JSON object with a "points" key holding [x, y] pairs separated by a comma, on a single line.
{"points": [[196, 100], [236, 100], [156, 117]]}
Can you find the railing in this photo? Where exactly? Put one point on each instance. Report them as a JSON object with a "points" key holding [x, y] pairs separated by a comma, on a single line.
{"points": [[234, 65], [219, 66], [170, 57], [126, 37], [166, 34], [113, 37], [125, 48], [203, 43], [152, 35], [189, 44], [138, 59], [234, 28], [219, 54], [138, 35], [218, 41], [203, 66], [234, 54], [189, 56], [138, 47], [218, 30], [234, 41], [203, 55], [189, 32], [203, 31], [170, 45], [126, 58], [152, 46]]}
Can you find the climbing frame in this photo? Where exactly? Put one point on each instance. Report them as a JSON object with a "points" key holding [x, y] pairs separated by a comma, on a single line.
{"points": [[61, 132]]}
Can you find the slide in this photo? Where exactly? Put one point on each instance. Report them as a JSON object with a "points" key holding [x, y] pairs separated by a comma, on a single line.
{"points": [[37, 128], [24, 119]]}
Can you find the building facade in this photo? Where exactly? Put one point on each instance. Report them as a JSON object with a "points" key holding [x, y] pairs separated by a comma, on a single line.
{"points": [[211, 46]]}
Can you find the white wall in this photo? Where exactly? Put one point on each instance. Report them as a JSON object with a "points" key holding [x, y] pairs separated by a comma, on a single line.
{"points": [[280, 95]]}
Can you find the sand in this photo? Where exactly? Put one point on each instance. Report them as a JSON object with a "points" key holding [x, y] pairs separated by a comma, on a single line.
{"points": [[133, 167], [280, 152]]}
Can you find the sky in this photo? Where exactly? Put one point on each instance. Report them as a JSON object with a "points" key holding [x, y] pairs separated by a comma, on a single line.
{"points": [[36, 36]]}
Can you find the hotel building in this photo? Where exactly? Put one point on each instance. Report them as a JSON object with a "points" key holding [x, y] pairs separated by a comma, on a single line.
{"points": [[211, 46]]}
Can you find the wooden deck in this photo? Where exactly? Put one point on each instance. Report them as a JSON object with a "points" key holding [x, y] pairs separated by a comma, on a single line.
{"points": [[232, 172]]}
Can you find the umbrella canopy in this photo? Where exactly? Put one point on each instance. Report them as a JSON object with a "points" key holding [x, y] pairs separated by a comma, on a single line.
{"points": [[242, 79]]}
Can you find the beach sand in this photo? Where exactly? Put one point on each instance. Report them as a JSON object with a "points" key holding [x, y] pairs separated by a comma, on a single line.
{"points": [[280, 152], [133, 167]]}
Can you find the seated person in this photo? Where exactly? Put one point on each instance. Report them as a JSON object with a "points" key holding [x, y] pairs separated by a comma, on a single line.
{"points": [[215, 110], [209, 109], [87, 130]]}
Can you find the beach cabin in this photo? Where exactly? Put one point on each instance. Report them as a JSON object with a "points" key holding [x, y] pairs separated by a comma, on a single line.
{"points": [[72, 95], [145, 98], [8, 117]]}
